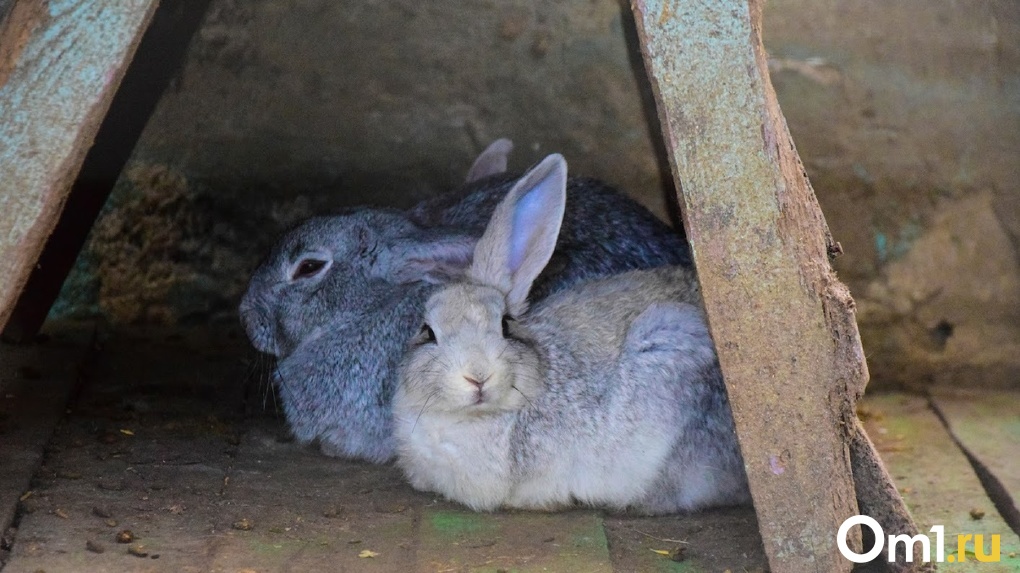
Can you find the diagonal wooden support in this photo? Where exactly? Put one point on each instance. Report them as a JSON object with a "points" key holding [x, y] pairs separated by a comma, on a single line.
{"points": [[783, 324], [157, 60], [62, 61]]}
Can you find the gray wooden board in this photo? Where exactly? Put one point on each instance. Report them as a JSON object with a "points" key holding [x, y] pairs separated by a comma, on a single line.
{"points": [[724, 539], [5, 8], [51, 104], [145, 448], [935, 478], [987, 423], [35, 382], [782, 323]]}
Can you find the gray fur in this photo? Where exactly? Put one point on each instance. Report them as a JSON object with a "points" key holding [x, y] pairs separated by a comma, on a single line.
{"points": [[338, 335], [607, 393]]}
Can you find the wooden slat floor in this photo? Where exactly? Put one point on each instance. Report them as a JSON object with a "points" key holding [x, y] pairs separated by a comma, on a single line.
{"points": [[167, 438]]}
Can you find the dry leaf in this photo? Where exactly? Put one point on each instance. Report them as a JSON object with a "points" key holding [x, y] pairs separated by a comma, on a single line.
{"points": [[366, 554], [127, 432], [662, 552]]}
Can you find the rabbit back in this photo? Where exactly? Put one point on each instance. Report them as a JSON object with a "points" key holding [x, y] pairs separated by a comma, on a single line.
{"points": [[603, 233], [648, 426]]}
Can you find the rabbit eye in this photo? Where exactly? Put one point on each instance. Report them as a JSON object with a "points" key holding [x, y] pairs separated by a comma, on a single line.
{"points": [[427, 332], [307, 268], [506, 325]]}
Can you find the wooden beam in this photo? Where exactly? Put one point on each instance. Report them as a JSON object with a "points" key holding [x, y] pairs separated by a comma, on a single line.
{"points": [[783, 324], [155, 63], [52, 101]]}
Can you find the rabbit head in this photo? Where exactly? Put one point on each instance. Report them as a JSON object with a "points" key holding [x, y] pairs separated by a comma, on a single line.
{"points": [[339, 267], [467, 354]]}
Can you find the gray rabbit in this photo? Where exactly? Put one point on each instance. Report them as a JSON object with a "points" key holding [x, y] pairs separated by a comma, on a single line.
{"points": [[338, 298], [607, 393]]}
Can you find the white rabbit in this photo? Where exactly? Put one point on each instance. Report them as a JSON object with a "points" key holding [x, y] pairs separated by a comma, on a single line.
{"points": [[607, 393]]}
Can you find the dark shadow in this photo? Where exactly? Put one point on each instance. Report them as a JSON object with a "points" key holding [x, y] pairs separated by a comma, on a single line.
{"points": [[637, 66]]}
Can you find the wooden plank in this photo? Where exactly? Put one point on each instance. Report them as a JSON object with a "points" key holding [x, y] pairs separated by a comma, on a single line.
{"points": [[156, 62], [147, 446], [35, 384], [16, 28], [936, 480], [312, 513], [877, 496], [51, 105], [710, 541], [987, 425], [452, 538], [163, 451], [783, 324]]}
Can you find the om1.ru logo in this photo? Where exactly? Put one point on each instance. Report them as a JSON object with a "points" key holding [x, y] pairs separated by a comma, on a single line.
{"points": [[910, 542]]}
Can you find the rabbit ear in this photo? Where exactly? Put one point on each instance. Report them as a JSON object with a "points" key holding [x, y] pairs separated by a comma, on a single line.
{"points": [[432, 256], [492, 161], [522, 233]]}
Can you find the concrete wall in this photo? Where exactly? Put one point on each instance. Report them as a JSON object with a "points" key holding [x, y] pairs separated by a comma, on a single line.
{"points": [[907, 115]]}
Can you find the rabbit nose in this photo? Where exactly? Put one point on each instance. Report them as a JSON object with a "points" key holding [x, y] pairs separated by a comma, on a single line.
{"points": [[475, 382]]}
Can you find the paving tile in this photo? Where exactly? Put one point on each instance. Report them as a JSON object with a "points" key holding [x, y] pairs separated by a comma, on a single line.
{"points": [[308, 512], [714, 540], [987, 423], [36, 381], [936, 480], [452, 538]]}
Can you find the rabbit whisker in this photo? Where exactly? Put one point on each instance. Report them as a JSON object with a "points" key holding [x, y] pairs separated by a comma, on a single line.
{"points": [[506, 346], [423, 406], [435, 358], [530, 403]]}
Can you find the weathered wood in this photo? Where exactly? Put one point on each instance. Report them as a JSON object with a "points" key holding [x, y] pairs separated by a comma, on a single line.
{"points": [[155, 63], [937, 481], [51, 104], [877, 496], [16, 27], [783, 324], [35, 384], [987, 426]]}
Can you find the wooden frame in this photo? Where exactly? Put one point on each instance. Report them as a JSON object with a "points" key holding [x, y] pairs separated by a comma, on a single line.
{"points": [[783, 324]]}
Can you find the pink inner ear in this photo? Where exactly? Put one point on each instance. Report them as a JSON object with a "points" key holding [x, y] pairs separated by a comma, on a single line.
{"points": [[492, 161], [530, 217]]}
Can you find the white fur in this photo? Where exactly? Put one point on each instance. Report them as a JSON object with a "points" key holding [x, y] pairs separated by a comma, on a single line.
{"points": [[607, 394]]}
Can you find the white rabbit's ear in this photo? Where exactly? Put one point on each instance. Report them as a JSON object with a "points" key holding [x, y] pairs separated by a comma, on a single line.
{"points": [[492, 161], [522, 233], [431, 256]]}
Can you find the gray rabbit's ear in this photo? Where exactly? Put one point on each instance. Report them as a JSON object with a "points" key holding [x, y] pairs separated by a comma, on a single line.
{"points": [[521, 236], [431, 257], [492, 161]]}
